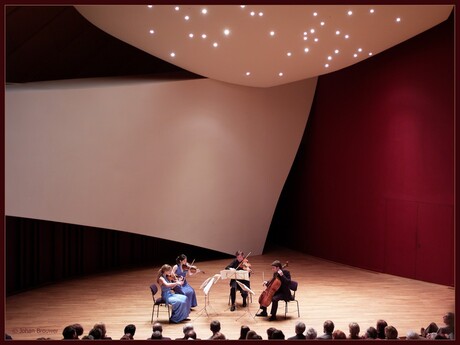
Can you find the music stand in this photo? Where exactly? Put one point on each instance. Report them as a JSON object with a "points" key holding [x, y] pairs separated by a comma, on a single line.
{"points": [[245, 288], [234, 274], [206, 287]]}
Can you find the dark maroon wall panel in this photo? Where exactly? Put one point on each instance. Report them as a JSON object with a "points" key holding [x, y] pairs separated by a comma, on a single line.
{"points": [[373, 182]]}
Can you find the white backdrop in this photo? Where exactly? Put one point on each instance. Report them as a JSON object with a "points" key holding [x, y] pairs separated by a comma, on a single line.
{"points": [[196, 161]]}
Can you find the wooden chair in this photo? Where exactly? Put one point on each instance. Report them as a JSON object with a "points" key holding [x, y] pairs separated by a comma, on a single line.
{"points": [[293, 287], [158, 302]]}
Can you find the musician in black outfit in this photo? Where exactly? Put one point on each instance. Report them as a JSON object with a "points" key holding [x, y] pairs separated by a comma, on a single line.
{"points": [[283, 292], [239, 264]]}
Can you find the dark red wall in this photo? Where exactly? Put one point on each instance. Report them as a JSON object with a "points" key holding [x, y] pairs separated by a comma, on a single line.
{"points": [[373, 183]]}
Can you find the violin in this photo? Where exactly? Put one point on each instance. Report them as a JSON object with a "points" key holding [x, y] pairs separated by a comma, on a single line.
{"points": [[191, 268], [245, 265]]}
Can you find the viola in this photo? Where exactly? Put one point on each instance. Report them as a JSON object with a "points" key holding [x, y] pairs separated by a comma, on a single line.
{"points": [[266, 296]]}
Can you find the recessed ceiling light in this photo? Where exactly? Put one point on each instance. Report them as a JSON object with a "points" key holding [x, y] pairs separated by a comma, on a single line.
{"points": [[337, 32], [370, 53], [190, 35], [177, 8], [226, 32], [316, 39], [280, 74], [315, 14], [242, 6], [204, 11], [272, 33], [336, 51], [186, 17], [305, 38], [329, 58], [261, 14], [253, 13], [306, 50], [398, 20], [312, 31], [326, 65], [355, 55], [152, 31], [322, 23], [371, 10], [350, 13], [215, 44], [149, 6], [305, 33], [360, 50], [173, 54], [248, 73], [289, 54], [203, 36], [347, 36]]}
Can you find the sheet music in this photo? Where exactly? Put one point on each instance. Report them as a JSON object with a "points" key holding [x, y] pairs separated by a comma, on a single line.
{"points": [[245, 288], [234, 274], [210, 283]]}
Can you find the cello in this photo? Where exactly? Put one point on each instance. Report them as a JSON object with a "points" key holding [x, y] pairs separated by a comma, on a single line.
{"points": [[266, 296]]}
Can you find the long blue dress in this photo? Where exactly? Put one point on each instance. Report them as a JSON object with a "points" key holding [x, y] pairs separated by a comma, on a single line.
{"points": [[186, 289], [180, 305]]}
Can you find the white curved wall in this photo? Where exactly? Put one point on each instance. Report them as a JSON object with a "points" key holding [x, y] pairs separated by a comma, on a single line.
{"points": [[197, 161]]}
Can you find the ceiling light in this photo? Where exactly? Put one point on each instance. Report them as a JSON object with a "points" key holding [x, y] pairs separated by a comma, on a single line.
{"points": [[261, 14], [316, 39], [289, 54], [360, 50], [305, 38], [371, 10], [312, 31], [355, 55], [370, 53], [280, 74], [149, 6], [305, 33], [322, 23], [152, 31], [176, 8], [186, 17], [336, 51], [173, 54], [350, 13], [227, 32], [215, 44], [248, 73], [347, 36], [398, 20], [315, 14], [242, 6], [326, 65], [253, 13], [203, 36], [337, 32], [272, 33], [306, 50], [329, 58], [190, 35], [204, 11]]}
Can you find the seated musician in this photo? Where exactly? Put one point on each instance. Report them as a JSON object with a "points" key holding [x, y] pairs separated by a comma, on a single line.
{"points": [[239, 263], [282, 293]]}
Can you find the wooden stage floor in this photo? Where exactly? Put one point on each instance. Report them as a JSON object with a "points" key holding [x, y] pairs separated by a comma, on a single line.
{"points": [[327, 290]]}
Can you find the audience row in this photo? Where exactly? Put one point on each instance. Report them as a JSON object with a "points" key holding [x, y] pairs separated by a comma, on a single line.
{"points": [[381, 331]]}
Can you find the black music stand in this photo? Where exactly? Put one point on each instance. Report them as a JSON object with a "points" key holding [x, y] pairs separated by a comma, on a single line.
{"points": [[234, 274]]}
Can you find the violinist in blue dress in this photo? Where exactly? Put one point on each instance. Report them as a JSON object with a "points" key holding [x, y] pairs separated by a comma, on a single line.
{"points": [[167, 282], [183, 269]]}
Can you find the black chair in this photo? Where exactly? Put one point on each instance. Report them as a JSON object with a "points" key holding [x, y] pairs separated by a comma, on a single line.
{"points": [[293, 287], [158, 302]]}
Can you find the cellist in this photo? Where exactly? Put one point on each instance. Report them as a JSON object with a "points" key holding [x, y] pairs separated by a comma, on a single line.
{"points": [[282, 293]]}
